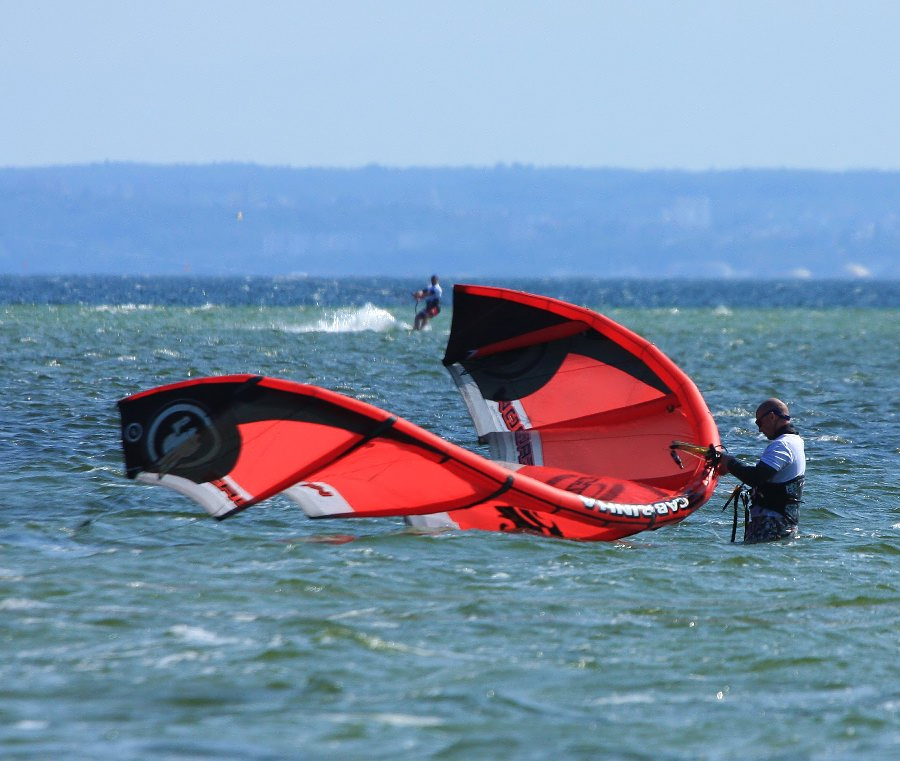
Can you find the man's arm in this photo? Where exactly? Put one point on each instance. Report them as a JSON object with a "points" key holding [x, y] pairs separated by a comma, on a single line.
{"points": [[754, 475]]}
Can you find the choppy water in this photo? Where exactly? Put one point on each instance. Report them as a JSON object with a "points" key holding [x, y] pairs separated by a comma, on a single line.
{"points": [[134, 627]]}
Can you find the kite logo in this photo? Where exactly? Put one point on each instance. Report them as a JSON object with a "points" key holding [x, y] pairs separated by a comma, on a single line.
{"points": [[510, 416], [133, 433], [665, 507], [226, 489], [527, 520], [183, 435], [321, 489], [318, 499]]}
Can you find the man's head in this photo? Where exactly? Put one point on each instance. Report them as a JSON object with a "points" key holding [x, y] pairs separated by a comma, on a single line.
{"points": [[434, 279], [771, 416]]}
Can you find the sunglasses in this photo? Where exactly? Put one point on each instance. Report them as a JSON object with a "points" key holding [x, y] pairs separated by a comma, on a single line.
{"points": [[771, 412]]}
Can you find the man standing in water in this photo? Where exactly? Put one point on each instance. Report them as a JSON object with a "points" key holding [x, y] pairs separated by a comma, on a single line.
{"points": [[776, 480], [432, 295]]}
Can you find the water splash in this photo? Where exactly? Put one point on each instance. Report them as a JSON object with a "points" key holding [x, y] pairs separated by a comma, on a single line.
{"points": [[351, 320]]}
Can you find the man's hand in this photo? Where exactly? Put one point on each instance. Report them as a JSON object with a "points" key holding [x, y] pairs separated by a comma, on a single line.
{"points": [[722, 467]]}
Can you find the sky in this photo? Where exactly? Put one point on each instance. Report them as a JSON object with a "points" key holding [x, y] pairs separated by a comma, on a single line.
{"points": [[636, 84]]}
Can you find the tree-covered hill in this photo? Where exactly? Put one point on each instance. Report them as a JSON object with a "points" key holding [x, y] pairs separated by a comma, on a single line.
{"points": [[506, 220]]}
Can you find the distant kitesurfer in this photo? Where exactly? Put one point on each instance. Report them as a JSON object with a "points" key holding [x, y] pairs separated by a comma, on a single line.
{"points": [[432, 295], [776, 481]]}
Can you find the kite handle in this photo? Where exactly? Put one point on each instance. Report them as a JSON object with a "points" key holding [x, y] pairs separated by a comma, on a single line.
{"points": [[710, 453]]}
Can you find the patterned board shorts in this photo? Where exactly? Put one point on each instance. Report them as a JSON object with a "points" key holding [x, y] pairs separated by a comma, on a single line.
{"points": [[767, 528]]}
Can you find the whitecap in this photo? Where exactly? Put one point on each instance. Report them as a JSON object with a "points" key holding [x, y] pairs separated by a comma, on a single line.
{"points": [[121, 308], [391, 719], [198, 635], [18, 603], [32, 725]]}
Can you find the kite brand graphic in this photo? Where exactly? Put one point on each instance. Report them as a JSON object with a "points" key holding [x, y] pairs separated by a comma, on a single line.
{"points": [[319, 499], [637, 511], [513, 423], [134, 432], [510, 416], [323, 490], [229, 491], [527, 520], [182, 434]]}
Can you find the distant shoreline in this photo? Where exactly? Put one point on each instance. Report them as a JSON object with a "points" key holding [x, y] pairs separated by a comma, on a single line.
{"points": [[506, 221]]}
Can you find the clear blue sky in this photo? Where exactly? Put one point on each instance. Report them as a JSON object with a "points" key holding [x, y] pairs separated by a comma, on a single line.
{"points": [[692, 84]]}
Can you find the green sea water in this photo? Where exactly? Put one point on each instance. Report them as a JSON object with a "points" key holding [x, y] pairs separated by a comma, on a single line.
{"points": [[133, 626]]}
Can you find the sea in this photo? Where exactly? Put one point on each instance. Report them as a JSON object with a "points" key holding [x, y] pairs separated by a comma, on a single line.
{"points": [[136, 628]]}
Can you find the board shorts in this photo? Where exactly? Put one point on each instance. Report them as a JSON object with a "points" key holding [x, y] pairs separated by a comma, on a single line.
{"points": [[768, 528]]}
